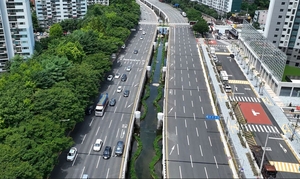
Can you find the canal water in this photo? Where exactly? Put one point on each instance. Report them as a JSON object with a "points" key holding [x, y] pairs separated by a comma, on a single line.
{"points": [[148, 126]]}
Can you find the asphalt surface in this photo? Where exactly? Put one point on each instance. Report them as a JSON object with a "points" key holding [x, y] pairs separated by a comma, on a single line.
{"points": [[113, 126], [277, 149], [194, 148]]}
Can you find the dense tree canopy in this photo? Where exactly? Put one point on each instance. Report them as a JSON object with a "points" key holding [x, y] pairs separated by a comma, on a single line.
{"points": [[44, 96]]}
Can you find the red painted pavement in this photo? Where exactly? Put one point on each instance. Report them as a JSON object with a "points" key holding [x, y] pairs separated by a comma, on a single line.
{"points": [[254, 113]]}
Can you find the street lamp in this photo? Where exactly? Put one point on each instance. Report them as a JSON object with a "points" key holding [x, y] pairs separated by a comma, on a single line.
{"points": [[263, 156]]}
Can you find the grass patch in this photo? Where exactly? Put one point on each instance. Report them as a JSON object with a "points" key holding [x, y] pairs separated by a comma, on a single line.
{"points": [[135, 156], [290, 70], [156, 158]]}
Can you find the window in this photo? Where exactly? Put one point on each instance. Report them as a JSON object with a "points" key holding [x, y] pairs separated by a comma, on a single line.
{"points": [[275, 35], [281, 10], [282, 35], [277, 29], [292, 18], [285, 23], [293, 12], [290, 25], [284, 29], [297, 64], [278, 23], [283, 3], [289, 30], [281, 42], [279, 16], [274, 42]]}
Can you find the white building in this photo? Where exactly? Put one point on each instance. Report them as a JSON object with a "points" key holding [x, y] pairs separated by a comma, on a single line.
{"points": [[282, 28], [16, 30], [103, 2], [52, 11], [260, 16], [224, 6]]}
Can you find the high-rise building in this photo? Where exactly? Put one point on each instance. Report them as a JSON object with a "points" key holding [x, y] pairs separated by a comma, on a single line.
{"points": [[260, 16], [282, 28], [16, 30], [223, 6], [103, 2], [49, 12]]}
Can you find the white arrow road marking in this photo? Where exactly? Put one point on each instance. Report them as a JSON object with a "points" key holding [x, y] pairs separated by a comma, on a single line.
{"points": [[172, 149], [170, 110]]}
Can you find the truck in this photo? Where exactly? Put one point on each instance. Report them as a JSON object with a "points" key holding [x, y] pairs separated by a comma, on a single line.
{"points": [[183, 14], [101, 105], [223, 75], [268, 171]]}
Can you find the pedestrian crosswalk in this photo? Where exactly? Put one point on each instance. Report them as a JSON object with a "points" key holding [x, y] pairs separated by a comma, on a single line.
{"points": [[218, 46], [238, 82], [261, 128], [286, 167], [244, 99]]}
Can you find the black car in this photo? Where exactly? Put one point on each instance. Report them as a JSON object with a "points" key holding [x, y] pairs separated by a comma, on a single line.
{"points": [[89, 110], [112, 102], [124, 77], [135, 51], [126, 93], [107, 152], [231, 55]]}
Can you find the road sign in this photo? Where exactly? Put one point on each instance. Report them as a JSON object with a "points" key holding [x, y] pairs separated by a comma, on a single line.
{"points": [[212, 117]]}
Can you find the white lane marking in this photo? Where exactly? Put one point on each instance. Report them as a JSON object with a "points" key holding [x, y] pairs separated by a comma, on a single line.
{"points": [[201, 150], [119, 98], [199, 98], [216, 161], [194, 116], [177, 149], [103, 116], [205, 124], [174, 102], [196, 80], [181, 79], [185, 123], [129, 105], [82, 170], [117, 132], [191, 93], [98, 161], [206, 172], [180, 174], [188, 75], [135, 76], [175, 115], [195, 72], [90, 149], [189, 83], [74, 160], [125, 104], [193, 65], [97, 130], [183, 109], [107, 173], [83, 138], [188, 140], [192, 103], [122, 117], [197, 132], [91, 122], [202, 110], [115, 109], [104, 140], [209, 141], [122, 133], [191, 161], [172, 149], [110, 124], [176, 130], [182, 87], [182, 97], [170, 110]]}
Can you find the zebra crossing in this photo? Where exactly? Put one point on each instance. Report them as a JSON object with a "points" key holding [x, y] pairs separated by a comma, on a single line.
{"points": [[224, 46], [261, 128], [244, 99]]}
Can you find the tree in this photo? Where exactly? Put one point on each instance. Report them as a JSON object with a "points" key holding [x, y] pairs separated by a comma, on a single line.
{"points": [[89, 40], [73, 51], [69, 25], [201, 27], [56, 31], [256, 25]]}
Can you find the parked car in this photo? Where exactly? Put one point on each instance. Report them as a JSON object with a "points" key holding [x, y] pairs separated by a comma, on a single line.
{"points": [[144, 33], [85, 176], [107, 152], [109, 78], [72, 154], [135, 51], [112, 102], [98, 145], [123, 46]]}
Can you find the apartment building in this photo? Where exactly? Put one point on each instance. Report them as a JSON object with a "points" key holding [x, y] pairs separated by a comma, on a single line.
{"points": [[223, 6], [16, 30], [52, 11], [260, 16], [282, 28], [103, 2]]}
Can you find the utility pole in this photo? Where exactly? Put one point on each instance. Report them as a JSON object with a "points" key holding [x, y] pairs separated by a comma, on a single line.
{"points": [[263, 157], [294, 131]]}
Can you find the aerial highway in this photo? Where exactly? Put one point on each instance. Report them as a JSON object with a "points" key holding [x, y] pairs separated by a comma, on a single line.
{"points": [[114, 125], [278, 153]]}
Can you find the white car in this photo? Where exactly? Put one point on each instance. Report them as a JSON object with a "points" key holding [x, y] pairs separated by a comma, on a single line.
{"points": [[123, 46], [144, 32], [119, 89], [141, 29], [128, 69], [109, 78], [98, 145], [141, 38], [117, 75], [72, 154]]}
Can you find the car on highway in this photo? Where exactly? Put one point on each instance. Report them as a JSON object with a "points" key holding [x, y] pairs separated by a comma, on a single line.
{"points": [[119, 148], [126, 93], [141, 38], [85, 176], [117, 75], [135, 51], [128, 69], [123, 46], [98, 145], [141, 28], [213, 56], [119, 89], [110, 78], [144, 33], [72, 154], [123, 77], [112, 102], [107, 152]]}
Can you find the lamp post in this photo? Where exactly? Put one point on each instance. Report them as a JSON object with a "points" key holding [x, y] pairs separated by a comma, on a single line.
{"points": [[294, 131], [263, 156]]}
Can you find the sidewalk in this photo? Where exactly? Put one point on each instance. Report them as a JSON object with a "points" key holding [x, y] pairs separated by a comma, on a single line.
{"points": [[240, 152]]}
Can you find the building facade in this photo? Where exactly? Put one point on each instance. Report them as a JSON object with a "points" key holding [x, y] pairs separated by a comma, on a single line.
{"points": [[49, 12], [282, 28], [223, 6], [16, 30], [260, 16], [103, 2]]}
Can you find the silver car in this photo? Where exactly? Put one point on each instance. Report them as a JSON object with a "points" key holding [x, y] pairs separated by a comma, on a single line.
{"points": [[72, 154]]}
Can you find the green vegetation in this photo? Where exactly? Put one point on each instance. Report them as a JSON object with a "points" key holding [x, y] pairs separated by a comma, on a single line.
{"points": [[156, 158], [44, 96], [290, 71], [250, 8], [135, 157]]}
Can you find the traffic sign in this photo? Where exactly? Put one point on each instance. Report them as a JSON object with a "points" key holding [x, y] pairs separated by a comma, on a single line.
{"points": [[212, 117]]}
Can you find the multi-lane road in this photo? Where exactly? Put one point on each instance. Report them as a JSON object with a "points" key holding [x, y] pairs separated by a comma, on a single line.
{"points": [[114, 125]]}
